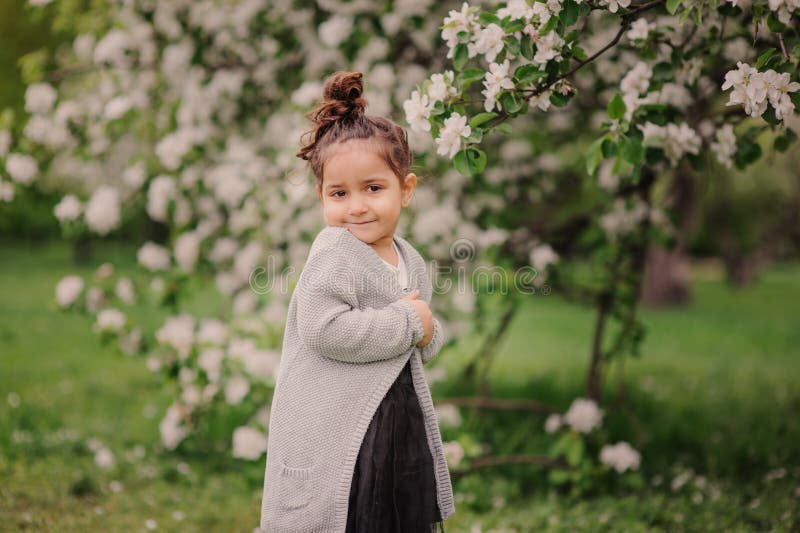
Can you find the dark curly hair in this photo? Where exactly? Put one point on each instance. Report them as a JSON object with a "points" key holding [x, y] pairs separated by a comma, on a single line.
{"points": [[340, 117]]}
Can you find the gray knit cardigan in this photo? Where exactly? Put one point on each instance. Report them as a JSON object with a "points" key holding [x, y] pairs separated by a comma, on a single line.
{"points": [[348, 335]]}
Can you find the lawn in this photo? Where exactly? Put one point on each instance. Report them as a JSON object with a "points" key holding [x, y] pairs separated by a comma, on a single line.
{"points": [[715, 390]]}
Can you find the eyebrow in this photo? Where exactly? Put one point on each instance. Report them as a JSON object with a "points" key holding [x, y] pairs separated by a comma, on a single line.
{"points": [[368, 180]]}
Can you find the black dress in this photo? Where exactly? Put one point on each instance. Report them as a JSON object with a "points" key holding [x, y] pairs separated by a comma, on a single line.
{"points": [[394, 486]]}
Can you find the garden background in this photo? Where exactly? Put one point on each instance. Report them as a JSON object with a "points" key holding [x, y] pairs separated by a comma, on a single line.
{"points": [[707, 397]]}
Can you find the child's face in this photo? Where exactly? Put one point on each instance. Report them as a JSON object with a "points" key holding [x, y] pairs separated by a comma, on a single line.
{"points": [[360, 192]]}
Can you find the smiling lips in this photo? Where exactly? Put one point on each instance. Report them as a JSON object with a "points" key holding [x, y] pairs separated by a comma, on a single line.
{"points": [[360, 223]]}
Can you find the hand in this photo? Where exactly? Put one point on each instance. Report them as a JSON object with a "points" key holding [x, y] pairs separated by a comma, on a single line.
{"points": [[425, 316]]}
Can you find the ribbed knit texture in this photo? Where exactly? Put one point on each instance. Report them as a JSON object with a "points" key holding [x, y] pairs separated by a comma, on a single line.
{"points": [[348, 334]]}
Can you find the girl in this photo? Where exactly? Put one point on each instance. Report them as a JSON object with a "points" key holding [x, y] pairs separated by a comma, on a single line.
{"points": [[354, 443]]}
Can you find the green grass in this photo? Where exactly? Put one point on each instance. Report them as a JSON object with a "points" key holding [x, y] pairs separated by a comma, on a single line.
{"points": [[715, 391]]}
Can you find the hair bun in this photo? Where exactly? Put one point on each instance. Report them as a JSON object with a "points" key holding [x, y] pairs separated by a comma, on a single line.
{"points": [[342, 97]]}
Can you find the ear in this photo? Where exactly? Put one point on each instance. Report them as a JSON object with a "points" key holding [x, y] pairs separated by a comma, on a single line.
{"points": [[407, 188]]}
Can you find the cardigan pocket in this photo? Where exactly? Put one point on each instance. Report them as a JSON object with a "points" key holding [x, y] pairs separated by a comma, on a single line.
{"points": [[294, 490]]}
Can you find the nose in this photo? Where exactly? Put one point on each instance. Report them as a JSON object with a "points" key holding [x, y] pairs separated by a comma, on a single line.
{"points": [[356, 206]]}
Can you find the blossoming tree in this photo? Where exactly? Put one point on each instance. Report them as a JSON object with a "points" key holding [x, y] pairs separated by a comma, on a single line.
{"points": [[191, 111]]}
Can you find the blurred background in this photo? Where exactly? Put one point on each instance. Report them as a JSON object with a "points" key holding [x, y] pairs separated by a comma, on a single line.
{"points": [[137, 359]]}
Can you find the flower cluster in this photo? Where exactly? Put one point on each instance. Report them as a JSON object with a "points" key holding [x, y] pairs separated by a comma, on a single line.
{"points": [[754, 89]]}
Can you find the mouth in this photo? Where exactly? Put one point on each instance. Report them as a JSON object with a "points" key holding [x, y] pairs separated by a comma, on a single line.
{"points": [[362, 223]]}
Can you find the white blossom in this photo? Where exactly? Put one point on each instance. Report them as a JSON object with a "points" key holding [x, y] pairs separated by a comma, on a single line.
{"points": [[583, 415], [236, 389], [441, 86], [488, 41], [210, 361], [22, 168], [620, 456], [212, 331], [335, 30], [453, 453], [553, 423], [548, 48], [172, 429], [448, 414], [39, 98], [68, 289], [68, 209], [516, 9], [494, 81], [104, 458], [153, 256], [102, 212], [784, 9], [449, 140], [418, 110], [112, 320], [125, 291], [178, 333], [637, 80], [95, 299], [640, 29], [614, 5], [223, 249], [725, 145], [621, 219], [249, 443], [131, 342], [187, 250], [457, 22], [541, 256]]}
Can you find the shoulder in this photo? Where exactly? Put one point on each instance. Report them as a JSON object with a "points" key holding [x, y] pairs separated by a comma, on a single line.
{"points": [[330, 259], [328, 237]]}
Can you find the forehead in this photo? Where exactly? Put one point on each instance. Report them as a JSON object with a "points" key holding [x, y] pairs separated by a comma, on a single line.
{"points": [[352, 162]]}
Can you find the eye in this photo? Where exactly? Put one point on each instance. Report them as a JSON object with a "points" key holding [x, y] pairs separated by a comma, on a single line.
{"points": [[378, 186], [336, 194]]}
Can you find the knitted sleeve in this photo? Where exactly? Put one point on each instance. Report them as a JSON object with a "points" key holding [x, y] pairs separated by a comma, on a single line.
{"points": [[431, 350], [330, 325]]}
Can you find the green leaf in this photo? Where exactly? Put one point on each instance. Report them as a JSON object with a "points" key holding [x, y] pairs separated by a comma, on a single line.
{"points": [[579, 54], [477, 160], [632, 150], [764, 58], [569, 13], [512, 26], [783, 142], [616, 107], [594, 156], [672, 6], [575, 451], [748, 152], [510, 102], [475, 136], [438, 108], [527, 74], [481, 118], [512, 46], [505, 127], [489, 18], [559, 100], [558, 476], [775, 25], [461, 162], [460, 56], [468, 76], [609, 148], [526, 47]]}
